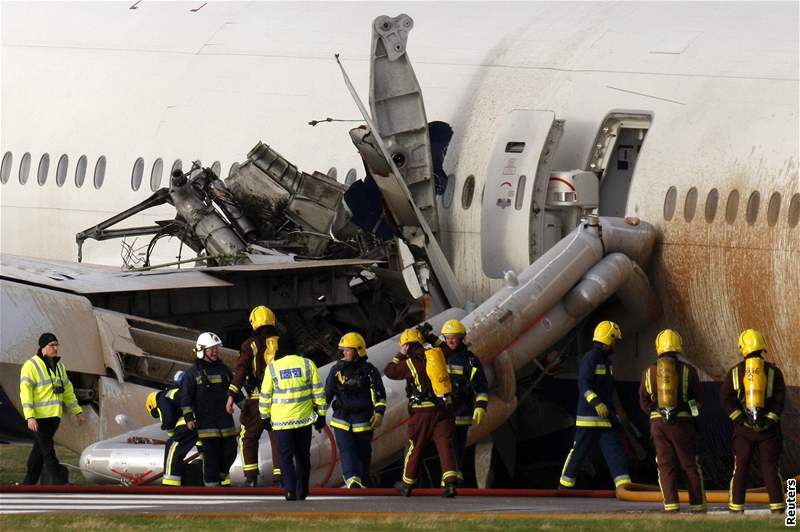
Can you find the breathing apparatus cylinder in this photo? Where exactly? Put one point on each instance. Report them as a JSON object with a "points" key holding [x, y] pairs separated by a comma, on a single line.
{"points": [[755, 384], [271, 349], [436, 368], [667, 377]]}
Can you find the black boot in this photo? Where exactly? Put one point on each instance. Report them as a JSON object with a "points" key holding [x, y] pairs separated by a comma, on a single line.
{"points": [[403, 488], [251, 482], [449, 490], [276, 481], [291, 496]]}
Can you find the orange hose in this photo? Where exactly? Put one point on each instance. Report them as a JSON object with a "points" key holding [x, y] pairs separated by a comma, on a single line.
{"points": [[647, 493]]}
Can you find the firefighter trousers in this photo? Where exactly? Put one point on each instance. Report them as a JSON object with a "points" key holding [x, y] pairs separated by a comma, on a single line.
{"points": [[251, 428], [43, 454], [768, 444], [219, 454], [423, 425], [610, 445], [355, 450], [676, 447], [295, 446], [175, 450]]}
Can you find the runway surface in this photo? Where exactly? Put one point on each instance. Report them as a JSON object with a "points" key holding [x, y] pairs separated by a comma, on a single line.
{"points": [[17, 503]]}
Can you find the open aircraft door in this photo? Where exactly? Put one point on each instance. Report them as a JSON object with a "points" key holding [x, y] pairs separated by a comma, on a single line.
{"points": [[512, 211]]}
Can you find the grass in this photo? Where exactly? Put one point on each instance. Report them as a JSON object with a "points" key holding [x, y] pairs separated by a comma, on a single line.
{"points": [[14, 457], [387, 522]]}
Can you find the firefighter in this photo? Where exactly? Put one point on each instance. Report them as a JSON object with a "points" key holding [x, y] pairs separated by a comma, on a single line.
{"points": [[44, 391], [165, 406], [256, 353], [670, 394], [752, 395], [203, 404], [430, 417], [593, 423], [292, 399], [355, 391], [470, 389]]}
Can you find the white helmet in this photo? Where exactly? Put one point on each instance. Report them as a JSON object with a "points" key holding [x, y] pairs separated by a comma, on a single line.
{"points": [[204, 341]]}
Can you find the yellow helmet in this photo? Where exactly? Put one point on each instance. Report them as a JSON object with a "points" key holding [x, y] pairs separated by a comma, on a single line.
{"points": [[411, 335], [151, 404], [453, 327], [750, 341], [607, 332], [669, 341], [261, 316], [353, 340]]}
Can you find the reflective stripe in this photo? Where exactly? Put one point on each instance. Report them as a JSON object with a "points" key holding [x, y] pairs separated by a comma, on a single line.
{"points": [[773, 416], [42, 403], [28, 380], [296, 389], [776, 506], [455, 370], [299, 399], [464, 420], [566, 481], [736, 413], [339, 424], [448, 474], [620, 480], [647, 385], [233, 388], [600, 369], [735, 377], [672, 507], [685, 382], [592, 421], [770, 382], [413, 371], [250, 467], [409, 450], [293, 422], [590, 396], [170, 482], [482, 397]]}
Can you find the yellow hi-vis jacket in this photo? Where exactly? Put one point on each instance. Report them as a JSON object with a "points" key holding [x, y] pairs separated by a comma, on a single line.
{"points": [[37, 390], [291, 392]]}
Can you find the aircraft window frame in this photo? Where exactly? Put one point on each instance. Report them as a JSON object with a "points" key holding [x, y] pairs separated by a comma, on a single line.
{"points": [[234, 167], [333, 173], [24, 168], [43, 169], [794, 211], [177, 165], [670, 203], [351, 177], [137, 174], [62, 168], [5, 167], [753, 205], [80, 171], [774, 209], [712, 203], [216, 167], [732, 207], [99, 172], [468, 192], [690, 205], [156, 177]]}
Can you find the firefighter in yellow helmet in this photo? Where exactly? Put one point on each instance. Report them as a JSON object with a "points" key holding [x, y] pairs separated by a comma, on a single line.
{"points": [[355, 392], [44, 391], [595, 412], [255, 354], [431, 417], [470, 389], [752, 395], [670, 394]]}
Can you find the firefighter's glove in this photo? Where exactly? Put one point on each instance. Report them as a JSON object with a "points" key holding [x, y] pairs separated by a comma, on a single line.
{"points": [[478, 415], [376, 420], [319, 423], [267, 424], [601, 409]]}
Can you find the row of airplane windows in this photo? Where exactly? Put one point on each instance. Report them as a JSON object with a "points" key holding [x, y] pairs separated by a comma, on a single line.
{"points": [[751, 212], [62, 168]]}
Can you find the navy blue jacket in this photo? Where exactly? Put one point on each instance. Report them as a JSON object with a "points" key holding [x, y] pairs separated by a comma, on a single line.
{"points": [[355, 391], [595, 385], [204, 394], [470, 389]]}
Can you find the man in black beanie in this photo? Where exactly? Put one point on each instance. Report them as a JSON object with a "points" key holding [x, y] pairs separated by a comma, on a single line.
{"points": [[44, 390]]}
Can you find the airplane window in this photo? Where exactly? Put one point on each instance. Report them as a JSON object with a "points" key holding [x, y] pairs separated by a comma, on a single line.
{"points": [[449, 192], [100, 172], [80, 171], [520, 192], [5, 168], [467, 192], [234, 169], [732, 208], [177, 165], [137, 174], [669, 203], [690, 205], [794, 211], [351, 177], [332, 172], [61, 170], [44, 169], [24, 168], [711, 205], [752, 207], [155, 174], [216, 168], [773, 209]]}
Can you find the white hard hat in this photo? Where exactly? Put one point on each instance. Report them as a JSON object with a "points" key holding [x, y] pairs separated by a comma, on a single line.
{"points": [[204, 341]]}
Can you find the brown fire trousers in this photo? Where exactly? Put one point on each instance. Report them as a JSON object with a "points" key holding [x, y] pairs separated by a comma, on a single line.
{"points": [[426, 423], [768, 444], [676, 447], [251, 430]]}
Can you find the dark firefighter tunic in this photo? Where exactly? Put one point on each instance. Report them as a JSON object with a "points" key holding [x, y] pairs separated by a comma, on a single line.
{"points": [[203, 397], [355, 391], [595, 385], [470, 389], [169, 410]]}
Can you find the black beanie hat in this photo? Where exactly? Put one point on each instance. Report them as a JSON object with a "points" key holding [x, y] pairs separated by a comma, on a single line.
{"points": [[46, 338]]}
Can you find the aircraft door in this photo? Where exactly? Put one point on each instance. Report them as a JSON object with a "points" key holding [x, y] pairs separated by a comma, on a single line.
{"points": [[512, 210]]}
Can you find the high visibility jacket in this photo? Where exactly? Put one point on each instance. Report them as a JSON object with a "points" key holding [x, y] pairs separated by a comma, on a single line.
{"points": [[169, 410], [203, 396], [38, 382], [355, 391], [470, 389], [595, 385], [689, 392], [292, 394], [732, 392]]}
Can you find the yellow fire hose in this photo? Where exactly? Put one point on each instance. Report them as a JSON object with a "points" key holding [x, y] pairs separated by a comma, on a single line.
{"points": [[648, 493]]}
